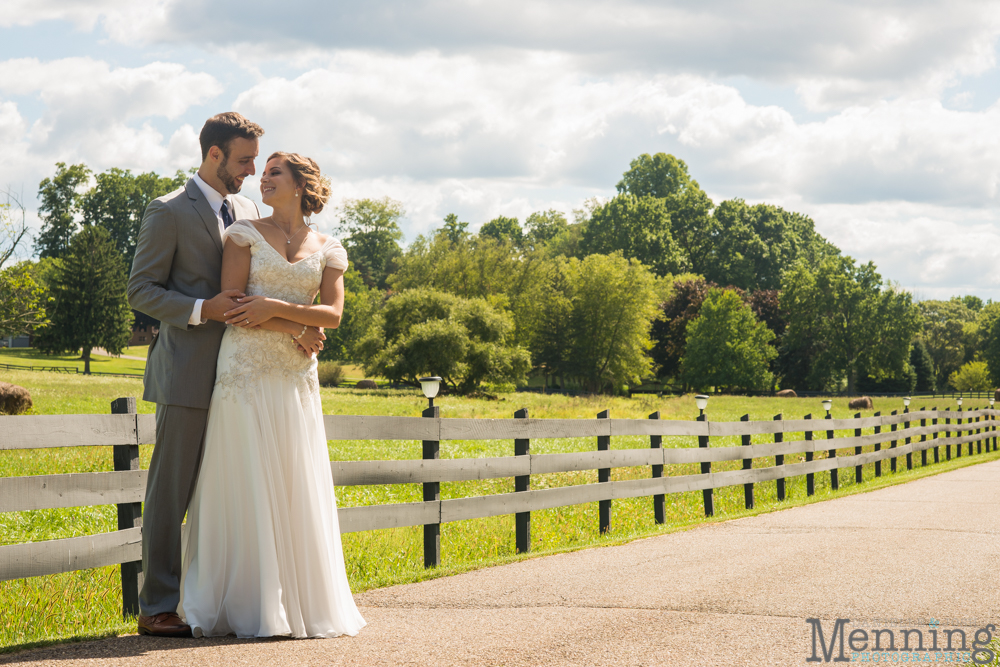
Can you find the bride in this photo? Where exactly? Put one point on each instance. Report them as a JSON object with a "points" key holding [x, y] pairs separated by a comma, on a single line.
{"points": [[263, 554]]}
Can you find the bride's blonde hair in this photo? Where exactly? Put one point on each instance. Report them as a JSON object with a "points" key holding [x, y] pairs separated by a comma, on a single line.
{"points": [[315, 187]]}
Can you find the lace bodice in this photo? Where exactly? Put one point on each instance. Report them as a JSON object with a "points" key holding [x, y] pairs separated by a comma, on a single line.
{"points": [[248, 355]]}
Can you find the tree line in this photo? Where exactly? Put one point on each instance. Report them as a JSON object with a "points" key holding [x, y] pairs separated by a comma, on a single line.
{"points": [[656, 284]]}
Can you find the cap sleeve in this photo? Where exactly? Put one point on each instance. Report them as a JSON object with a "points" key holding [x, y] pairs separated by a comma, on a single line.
{"points": [[335, 255], [242, 233]]}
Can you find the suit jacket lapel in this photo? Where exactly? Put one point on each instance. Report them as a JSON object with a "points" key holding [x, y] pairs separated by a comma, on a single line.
{"points": [[204, 210]]}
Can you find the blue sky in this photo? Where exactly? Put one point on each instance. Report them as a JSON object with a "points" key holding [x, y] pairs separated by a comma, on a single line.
{"points": [[879, 120]]}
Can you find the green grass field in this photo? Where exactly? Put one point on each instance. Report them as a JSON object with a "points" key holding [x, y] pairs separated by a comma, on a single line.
{"points": [[84, 604], [26, 356]]}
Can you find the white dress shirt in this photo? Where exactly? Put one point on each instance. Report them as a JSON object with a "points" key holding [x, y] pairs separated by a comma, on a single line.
{"points": [[215, 201]]}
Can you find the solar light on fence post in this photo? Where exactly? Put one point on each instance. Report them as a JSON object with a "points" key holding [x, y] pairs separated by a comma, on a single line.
{"points": [[701, 400], [432, 490], [959, 400], [906, 403], [831, 454], [430, 386]]}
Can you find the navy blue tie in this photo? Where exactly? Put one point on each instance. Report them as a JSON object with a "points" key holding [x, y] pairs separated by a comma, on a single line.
{"points": [[227, 217]]}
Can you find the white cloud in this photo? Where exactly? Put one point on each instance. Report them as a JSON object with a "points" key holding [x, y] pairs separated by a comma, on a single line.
{"points": [[91, 109], [84, 14]]}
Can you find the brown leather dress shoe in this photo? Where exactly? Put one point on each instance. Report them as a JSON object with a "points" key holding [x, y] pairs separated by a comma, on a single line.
{"points": [[167, 624]]}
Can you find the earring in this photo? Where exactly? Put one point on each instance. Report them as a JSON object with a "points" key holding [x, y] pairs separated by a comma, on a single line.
{"points": [[296, 193]]}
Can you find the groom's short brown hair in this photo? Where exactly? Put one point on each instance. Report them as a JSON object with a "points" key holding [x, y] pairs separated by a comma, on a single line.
{"points": [[219, 130]]}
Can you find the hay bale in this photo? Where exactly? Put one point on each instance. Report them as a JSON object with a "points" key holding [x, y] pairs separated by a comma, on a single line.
{"points": [[366, 384], [14, 400], [862, 403], [787, 393]]}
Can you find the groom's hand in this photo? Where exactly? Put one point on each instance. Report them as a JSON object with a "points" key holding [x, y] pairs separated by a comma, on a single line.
{"points": [[217, 307]]}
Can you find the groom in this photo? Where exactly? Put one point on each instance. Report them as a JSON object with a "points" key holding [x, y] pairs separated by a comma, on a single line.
{"points": [[176, 279]]}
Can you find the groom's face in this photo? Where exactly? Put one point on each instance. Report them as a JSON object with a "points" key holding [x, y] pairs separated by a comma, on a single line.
{"points": [[238, 164]]}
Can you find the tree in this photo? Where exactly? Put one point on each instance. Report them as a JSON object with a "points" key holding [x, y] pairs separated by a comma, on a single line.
{"points": [[13, 228], [991, 352], [949, 332], [727, 347], [849, 320], [118, 200], [91, 308], [453, 230], [973, 376], [425, 332], [543, 226], [22, 301], [58, 207], [923, 366], [478, 267], [614, 301], [666, 177], [361, 304], [658, 176], [751, 246], [638, 228], [372, 235], [503, 229], [669, 331]]}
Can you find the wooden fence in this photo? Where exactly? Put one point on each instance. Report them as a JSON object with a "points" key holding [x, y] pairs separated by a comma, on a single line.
{"points": [[909, 433]]}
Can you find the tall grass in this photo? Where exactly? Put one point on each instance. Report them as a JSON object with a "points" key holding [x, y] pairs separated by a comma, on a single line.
{"points": [[87, 603]]}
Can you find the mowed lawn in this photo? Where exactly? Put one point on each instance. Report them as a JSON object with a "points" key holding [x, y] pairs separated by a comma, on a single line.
{"points": [[88, 603], [27, 356]]}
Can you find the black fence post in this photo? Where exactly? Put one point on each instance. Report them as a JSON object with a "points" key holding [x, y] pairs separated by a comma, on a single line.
{"points": [[604, 475], [857, 451], [834, 481], [432, 492], [779, 460], [934, 422], [747, 465], [659, 500], [522, 447], [947, 434], [923, 439], [909, 455], [706, 467], [892, 445], [993, 427], [979, 441], [878, 447], [126, 457], [810, 477]]}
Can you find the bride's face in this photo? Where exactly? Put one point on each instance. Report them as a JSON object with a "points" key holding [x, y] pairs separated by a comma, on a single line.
{"points": [[277, 186]]}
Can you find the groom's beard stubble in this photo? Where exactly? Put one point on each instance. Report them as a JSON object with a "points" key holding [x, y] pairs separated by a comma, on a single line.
{"points": [[227, 179]]}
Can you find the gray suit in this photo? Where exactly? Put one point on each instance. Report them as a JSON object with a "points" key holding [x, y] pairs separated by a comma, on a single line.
{"points": [[178, 260]]}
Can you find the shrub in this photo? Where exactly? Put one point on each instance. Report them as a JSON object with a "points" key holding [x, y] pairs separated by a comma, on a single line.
{"points": [[973, 376], [330, 373]]}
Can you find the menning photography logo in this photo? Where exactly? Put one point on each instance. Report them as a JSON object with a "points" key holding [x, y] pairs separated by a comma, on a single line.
{"points": [[899, 644]]}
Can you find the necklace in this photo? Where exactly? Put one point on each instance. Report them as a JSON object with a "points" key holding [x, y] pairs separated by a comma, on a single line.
{"points": [[288, 239]]}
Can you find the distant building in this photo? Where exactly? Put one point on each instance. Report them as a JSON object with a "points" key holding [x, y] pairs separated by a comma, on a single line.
{"points": [[143, 334], [15, 341]]}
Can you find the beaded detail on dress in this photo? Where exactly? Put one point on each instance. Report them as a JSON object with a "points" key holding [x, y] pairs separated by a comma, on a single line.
{"points": [[250, 355]]}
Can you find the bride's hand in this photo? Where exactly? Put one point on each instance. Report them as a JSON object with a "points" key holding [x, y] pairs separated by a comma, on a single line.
{"points": [[311, 342], [251, 311]]}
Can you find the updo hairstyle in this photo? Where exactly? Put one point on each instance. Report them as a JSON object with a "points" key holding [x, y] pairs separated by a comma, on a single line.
{"points": [[315, 186]]}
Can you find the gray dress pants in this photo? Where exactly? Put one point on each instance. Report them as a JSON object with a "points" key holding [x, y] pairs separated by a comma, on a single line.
{"points": [[180, 441]]}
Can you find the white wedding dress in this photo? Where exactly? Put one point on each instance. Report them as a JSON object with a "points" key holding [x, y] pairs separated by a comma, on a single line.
{"points": [[262, 554]]}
